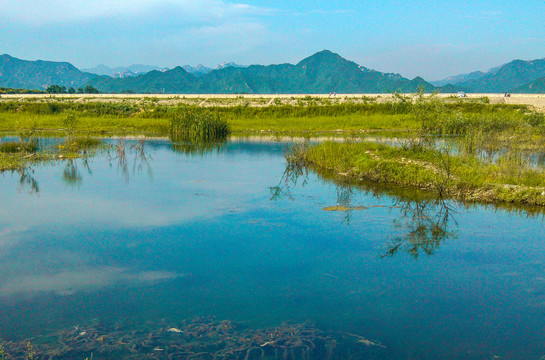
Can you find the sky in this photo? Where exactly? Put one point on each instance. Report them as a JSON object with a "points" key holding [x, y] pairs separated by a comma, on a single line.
{"points": [[432, 39]]}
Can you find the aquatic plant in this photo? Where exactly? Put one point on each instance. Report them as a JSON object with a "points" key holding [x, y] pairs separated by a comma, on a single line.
{"points": [[200, 338], [198, 126], [30, 351]]}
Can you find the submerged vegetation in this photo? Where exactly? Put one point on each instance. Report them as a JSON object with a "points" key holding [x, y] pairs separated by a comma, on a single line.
{"points": [[200, 338]]}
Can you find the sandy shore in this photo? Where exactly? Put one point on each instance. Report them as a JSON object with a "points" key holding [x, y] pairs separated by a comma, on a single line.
{"points": [[206, 100]]}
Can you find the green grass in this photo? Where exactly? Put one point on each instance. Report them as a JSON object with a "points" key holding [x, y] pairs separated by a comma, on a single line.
{"points": [[87, 125], [146, 116], [461, 177], [463, 170], [352, 123]]}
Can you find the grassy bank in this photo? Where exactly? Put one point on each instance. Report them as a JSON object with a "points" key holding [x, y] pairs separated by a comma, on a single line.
{"points": [[461, 177], [147, 116], [470, 156]]}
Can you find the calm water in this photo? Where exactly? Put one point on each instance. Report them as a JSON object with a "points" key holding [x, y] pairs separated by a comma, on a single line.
{"points": [[175, 236]]}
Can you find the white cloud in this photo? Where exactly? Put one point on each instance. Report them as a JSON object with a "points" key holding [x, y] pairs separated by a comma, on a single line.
{"points": [[39, 12], [81, 280]]}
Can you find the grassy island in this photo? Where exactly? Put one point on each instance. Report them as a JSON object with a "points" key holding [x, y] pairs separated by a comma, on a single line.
{"points": [[491, 155]]}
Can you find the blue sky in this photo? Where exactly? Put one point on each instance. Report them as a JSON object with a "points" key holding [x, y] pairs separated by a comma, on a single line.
{"points": [[433, 39]]}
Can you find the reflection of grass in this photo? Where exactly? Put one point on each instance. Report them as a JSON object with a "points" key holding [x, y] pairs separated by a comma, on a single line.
{"points": [[198, 148], [424, 221], [17, 155]]}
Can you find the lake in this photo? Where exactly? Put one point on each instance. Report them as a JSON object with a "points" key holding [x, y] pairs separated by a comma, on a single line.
{"points": [[165, 251]]}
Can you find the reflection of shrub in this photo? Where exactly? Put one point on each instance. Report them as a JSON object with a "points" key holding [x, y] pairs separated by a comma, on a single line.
{"points": [[197, 126]]}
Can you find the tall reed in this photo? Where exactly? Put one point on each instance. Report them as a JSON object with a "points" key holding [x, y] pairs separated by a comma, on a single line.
{"points": [[198, 126]]}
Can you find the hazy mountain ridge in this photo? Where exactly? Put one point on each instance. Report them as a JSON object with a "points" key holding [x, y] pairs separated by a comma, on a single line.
{"points": [[510, 77], [457, 79], [122, 71], [139, 69], [323, 72], [17, 73]]}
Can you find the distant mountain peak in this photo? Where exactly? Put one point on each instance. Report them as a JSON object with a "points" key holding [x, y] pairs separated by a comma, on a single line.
{"points": [[224, 65]]}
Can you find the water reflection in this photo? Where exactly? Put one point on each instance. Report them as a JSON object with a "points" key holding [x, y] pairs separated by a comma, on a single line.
{"points": [[71, 174], [27, 180], [130, 158], [424, 224], [72, 281], [196, 148], [289, 179], [121, 152]]}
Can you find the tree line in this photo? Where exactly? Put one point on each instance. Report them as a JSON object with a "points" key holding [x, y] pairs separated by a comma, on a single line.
{"points": [[57, 89]]}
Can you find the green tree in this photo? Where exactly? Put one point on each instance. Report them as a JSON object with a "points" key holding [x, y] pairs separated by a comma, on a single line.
{"points": [[56, 89], [90, 90]]}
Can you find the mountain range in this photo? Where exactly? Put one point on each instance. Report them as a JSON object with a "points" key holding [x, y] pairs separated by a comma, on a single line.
{"points": [[22, 74], [138, 69], [323, 72], [122, 71]]}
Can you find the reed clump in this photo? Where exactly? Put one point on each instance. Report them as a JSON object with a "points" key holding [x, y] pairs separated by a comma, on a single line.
{"points": [[199, 126]]}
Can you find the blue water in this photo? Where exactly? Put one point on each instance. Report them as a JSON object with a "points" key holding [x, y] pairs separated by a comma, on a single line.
{"points": [[176, 236]]}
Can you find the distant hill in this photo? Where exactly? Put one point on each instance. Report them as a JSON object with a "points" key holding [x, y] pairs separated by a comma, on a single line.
{"points": [[170, 81], [16, 73], [506, 78], [457, 79], [122, 71], [322, 72], [137, 69], [197, 70], [533, 87]]}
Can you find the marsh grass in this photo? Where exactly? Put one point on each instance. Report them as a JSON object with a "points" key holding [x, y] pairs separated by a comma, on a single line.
{"points": [[13, 147], [462, 171], [199, 126], [312, 115]]}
